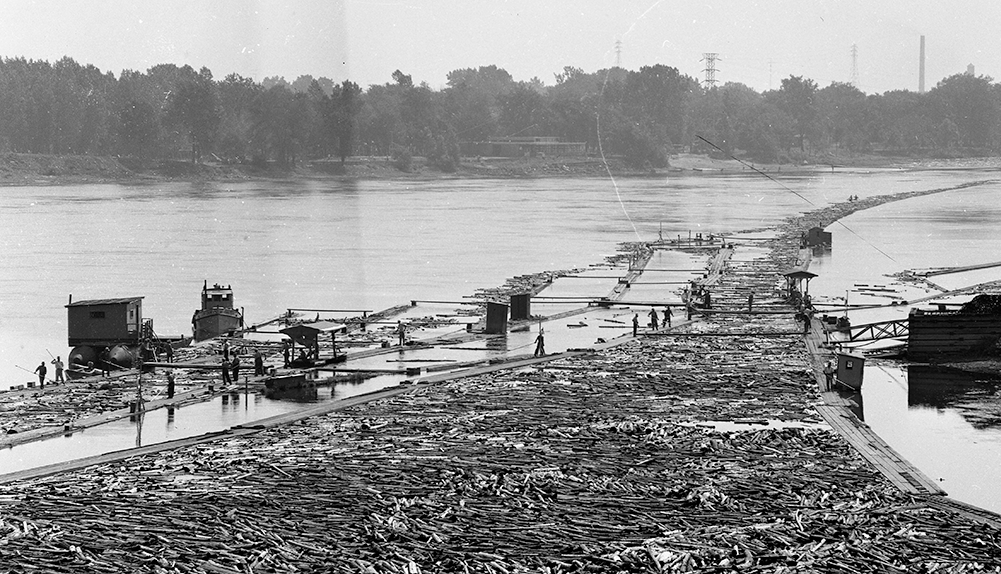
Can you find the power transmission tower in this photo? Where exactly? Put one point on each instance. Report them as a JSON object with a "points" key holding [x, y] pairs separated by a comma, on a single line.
{"points": [[710, 59], [770, 62], [854, 80], [618, 53]]}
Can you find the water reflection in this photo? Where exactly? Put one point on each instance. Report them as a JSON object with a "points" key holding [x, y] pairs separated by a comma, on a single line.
{"points": [[497, 344], [305, 394], [976, 396]]}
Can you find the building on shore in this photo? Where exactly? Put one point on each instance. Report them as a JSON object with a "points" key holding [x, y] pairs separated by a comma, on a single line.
{"points": [[532, 146]]}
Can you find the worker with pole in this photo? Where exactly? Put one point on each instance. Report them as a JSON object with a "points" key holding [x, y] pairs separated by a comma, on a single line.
{"points": [[41, 370]]}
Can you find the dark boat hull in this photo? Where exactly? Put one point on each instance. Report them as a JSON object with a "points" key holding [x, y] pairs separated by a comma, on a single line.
{"points": [[215, 322]]}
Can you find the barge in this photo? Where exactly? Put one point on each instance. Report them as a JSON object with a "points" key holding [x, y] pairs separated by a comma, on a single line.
{"points": [[973, 330]]}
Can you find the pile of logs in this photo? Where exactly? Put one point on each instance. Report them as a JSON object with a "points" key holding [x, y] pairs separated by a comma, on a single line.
{"points": [[584, 465], [610, 461]]}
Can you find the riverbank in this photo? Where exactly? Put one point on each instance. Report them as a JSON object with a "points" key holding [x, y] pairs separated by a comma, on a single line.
{"points": [[699, 448], [38, 169]]}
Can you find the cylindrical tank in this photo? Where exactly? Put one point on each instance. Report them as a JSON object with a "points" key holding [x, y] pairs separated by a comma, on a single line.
{"points": [[120, 355], [82, 355]]}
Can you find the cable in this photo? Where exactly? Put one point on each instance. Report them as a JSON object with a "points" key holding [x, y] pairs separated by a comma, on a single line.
{"points": [[597, 127], [790, 190]]}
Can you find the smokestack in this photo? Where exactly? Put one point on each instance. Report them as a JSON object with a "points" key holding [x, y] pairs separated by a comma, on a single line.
{"points": [[921, 69]]}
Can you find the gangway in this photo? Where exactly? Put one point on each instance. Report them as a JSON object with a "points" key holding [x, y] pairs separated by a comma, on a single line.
{"points": [[876, 331]]}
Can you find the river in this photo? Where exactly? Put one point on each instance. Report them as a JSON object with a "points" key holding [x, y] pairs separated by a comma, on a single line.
{"points": [[376, 244]]}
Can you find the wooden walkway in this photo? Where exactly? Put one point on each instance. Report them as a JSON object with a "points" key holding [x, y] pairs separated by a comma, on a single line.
{"points": [[893, 466], [836, 410]]}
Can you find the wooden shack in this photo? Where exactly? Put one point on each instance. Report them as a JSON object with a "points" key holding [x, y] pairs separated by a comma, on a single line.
{"points": [[521, 306], [496, 318], [850, 370], [817, 237], [104, 322]]}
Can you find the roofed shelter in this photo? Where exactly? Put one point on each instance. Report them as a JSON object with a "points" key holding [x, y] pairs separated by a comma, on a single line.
{"points": [[794, 281], [308, 335]]}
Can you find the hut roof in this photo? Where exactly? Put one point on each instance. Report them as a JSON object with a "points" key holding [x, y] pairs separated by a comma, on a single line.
{"points": [[116, 301], [309, 329]]}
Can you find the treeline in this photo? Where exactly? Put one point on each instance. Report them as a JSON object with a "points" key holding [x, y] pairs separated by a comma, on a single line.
{"points": [[171, 112]]}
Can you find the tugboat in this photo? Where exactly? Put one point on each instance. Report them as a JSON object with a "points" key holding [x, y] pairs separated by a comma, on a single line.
{"points": [[217, 315]]}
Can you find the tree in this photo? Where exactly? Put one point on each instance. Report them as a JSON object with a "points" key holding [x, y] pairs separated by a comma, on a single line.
{"points": [[522, 111], [237, 96], [281, 124], [904, 120], [137, 128], [194, 105], [970, 103], [796, 97], [344, 107], [380, 125], [842, 115], [402, 80], [657, 96], [471, 100]]}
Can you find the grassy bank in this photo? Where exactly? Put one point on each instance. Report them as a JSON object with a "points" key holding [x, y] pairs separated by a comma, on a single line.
{"points": [[38, 169]]}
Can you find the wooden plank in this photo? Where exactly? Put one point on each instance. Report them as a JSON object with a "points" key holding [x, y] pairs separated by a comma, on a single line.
{"points": [[893, 466]]}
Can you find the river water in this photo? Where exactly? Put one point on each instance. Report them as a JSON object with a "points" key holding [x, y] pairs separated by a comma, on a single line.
{"points": [[375, 244]]}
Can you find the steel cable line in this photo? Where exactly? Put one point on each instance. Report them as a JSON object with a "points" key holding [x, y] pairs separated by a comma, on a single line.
{"points": [[790, 190]]}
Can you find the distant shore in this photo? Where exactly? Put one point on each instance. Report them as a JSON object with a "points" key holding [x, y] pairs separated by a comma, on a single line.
{"points": [[37, 169]]}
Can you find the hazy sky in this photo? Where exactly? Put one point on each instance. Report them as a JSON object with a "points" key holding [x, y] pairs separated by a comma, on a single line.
{"points": [[758, 43]]}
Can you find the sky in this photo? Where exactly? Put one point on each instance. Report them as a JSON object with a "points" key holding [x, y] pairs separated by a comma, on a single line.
{"points": [[758, 43]]}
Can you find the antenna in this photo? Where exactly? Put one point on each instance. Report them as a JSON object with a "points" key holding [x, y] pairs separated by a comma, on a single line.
{"points": [[854, 80], [618, 53], [710, 59]]}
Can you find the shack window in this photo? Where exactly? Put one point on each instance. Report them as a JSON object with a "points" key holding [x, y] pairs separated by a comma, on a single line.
{"points": [[97, 314]]}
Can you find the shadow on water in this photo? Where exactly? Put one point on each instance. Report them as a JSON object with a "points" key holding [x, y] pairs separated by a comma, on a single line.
{"points": [[976, 396], [300, 395]]}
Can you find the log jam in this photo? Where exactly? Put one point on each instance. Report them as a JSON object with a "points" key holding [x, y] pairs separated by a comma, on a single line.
{"points": [[650, 456]]}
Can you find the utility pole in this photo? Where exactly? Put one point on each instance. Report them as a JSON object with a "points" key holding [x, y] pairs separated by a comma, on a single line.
{"points": [[854, 80], [710, 59], [618, 53]]}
